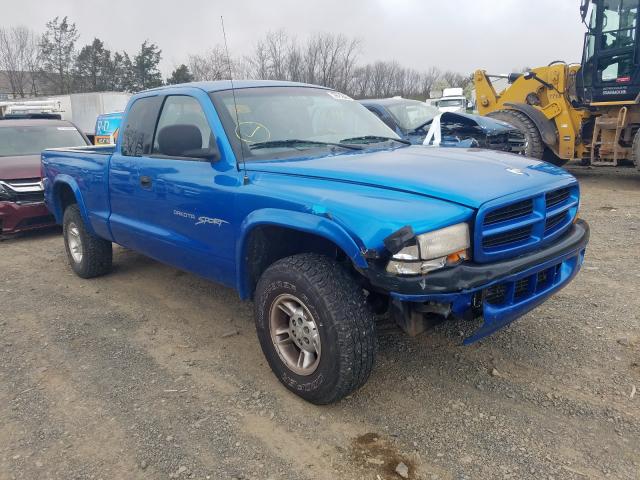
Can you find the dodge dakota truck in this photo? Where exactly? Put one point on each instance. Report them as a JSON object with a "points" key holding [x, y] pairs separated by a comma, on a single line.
{"points": [[305, 202]]}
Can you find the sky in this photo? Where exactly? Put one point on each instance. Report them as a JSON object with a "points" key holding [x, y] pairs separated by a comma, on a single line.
{"points": [[459, 35]]}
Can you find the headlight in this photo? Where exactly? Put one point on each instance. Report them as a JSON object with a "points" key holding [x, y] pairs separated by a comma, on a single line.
{"points": [[4, 193], [432, 250]]}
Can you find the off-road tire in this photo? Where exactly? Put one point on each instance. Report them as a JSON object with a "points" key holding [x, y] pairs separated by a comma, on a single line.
{"points": [[535, 146], [346, 325], [97, 253]]}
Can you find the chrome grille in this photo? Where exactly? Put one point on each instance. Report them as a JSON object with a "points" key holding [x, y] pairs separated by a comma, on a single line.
{"points": [[24, 191]]}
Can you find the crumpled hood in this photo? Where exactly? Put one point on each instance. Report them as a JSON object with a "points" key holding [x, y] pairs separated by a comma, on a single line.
{"points": [[468, 177], [20, 167], [489, 125]]}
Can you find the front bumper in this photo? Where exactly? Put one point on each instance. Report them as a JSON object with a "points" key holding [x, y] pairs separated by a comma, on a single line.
{"points": [[499, 292], [20, 217]]}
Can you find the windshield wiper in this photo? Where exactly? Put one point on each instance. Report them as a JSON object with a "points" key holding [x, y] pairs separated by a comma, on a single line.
{"points": [[373, 139], [299, 142]]}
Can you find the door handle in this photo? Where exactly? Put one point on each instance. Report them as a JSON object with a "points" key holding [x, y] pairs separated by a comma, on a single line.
{"points": [[145, 181]]}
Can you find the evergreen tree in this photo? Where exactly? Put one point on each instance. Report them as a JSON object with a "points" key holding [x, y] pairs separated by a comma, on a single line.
{"points": [[180, 75], [145, 73], [58, 51], [92, 67]]}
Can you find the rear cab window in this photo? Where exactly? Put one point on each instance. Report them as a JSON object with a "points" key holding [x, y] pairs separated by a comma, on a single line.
{"points": [[140, 124]]}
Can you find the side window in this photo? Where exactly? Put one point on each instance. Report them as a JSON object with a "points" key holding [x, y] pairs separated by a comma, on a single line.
{"points": [[137, 133], [183, 130], [615, 67]]}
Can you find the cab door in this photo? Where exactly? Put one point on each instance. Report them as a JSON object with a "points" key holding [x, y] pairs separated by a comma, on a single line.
{"points": [[128, 226], [182, 210]]}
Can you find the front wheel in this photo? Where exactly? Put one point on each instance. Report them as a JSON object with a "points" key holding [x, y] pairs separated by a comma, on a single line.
{"points": [[534, 146], [315, 327]]}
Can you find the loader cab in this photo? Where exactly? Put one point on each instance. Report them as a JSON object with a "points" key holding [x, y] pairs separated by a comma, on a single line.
{"points": [[610, 64]]}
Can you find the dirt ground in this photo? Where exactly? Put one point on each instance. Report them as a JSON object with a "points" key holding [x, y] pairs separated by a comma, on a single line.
{"points": [[151, 372]]}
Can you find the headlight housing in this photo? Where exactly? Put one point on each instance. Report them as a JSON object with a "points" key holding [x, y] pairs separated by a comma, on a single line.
{"points": [[432, 250], [5, 194]]}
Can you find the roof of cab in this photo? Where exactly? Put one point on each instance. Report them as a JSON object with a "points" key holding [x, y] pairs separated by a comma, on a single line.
{"points": [[219, 85]]}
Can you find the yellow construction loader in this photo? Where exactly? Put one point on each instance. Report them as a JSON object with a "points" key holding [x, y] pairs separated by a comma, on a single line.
{"points": [[589, 111]]}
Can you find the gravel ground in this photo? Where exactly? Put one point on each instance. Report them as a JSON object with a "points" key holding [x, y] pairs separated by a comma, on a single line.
{"points": [[151, 372]]}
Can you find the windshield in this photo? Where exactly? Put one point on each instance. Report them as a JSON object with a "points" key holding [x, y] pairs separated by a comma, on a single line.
{"points": [[412, 114], [619, 19], [450, 102], [283, 121], [32, 139]]}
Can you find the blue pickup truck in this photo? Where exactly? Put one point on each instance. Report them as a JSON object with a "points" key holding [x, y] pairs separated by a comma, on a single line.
{"points": [[305, 202]]}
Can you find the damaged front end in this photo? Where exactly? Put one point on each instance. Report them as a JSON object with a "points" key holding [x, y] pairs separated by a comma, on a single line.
{"points": [[494, 293], [457, 129]]}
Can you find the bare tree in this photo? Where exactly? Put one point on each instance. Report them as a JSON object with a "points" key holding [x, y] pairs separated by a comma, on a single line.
{"points": [[361, 82], [19, 57], [455, 79], [429, 79], [33, 63], [276, 45], [348, 64], [330, 60], [325, 59], [211, 65]]}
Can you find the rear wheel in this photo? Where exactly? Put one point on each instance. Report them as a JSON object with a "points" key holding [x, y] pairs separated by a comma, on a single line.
{"points": [[534, 146], [89, 256], [315, 327]]}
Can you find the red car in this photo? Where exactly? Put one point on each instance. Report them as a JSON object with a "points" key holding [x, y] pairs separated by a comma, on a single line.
{"points": [[21, 194]]}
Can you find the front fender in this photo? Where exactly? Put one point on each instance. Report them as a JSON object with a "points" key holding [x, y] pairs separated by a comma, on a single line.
{"points": [[304, 222], [55, 205]]}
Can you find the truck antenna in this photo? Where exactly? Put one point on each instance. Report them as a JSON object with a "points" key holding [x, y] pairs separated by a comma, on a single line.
{"points": [[245, 178]]}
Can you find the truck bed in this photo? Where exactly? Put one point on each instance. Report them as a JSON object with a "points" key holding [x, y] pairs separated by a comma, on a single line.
{"points": [[86, 171]]}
